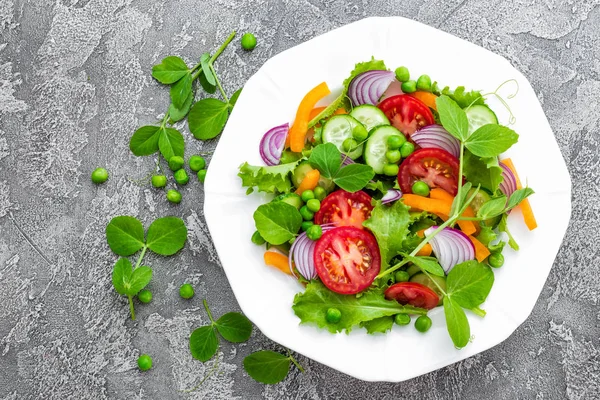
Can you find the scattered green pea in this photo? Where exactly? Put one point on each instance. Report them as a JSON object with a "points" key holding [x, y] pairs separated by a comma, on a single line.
{"points": [[423, 323], [159, 181], [196, 163], [248, 41], [186, 291], [181, 177], [420, 188], [360, 133], [308, 195], [407, 149], [402, 319], [144, 362], [306, 213], [320, 193], [306, 225], [257, 238], [201, 175], [314, 232], [401, 276], [175, 163], [394, 142], [333, 315], [424, 83], [349, 144], [496, 260], [393, 156], [390, 169], [409, 86], [313, 205], [402, 74], [174, 196], [145, 296], [99, 175]]}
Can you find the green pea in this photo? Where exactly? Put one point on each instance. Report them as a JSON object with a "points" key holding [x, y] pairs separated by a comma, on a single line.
{"points": [[174, 196], [248, 41], [390, 169], [306, 213], [186, 291], [314, 232], [424, 83], [313, 205], [407, 149], [320, 193], [393, 156], [175, 163], [402, 74], [257, 238], [394, 142], [359, 133], [196, 163], [349, 144], [496, 260], [201, 175], [100, 175], [159, 181], [333, 315], [423, 323], [401, 276], [181, 177], [409, 86], [144, 362], [306, 225], [308, 195], [145, 296], [402, 319], [420, 188]]}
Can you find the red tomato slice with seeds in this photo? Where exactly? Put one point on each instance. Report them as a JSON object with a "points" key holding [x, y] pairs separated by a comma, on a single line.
{"points": [[435, 167], [406, 113], [344, 209], [412, 293]]}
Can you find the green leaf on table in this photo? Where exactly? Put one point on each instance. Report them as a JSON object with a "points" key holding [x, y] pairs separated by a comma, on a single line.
{"points": [[181, 90], [121, 275], [429, 264], [327, 159], [518, 196], [167, 235], [267, 366], [204, 343], [235, 97], [140, 278], [378, 325], [206, 71], [389, 224], [492, 207], [177, 114], [207, 118], [312, 305], [354, 177], [277, 222], [482, 171], [274, 179], [125, 235], [234, 327], [503, 227], [469, 283], [456, 323], [170, 70], [144, 141], [208, 88], [171, 143], [453, 118], [491, 140]]}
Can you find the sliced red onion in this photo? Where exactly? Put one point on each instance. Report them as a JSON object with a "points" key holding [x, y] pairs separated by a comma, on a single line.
{"points": [[391, 195], [272, 144], [437, 137], [451, 247], [394, 89], [509, 182], [302, 254], [368, 87], [347, 160]]}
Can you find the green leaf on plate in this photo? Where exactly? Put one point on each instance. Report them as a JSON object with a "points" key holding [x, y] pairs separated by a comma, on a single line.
{"points": [[456, 323], [491, 140], [354, 177], [277, 222], [327, 159], [469, 283]]}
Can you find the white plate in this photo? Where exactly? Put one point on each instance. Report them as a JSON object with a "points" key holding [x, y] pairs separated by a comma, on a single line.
{"points": [[271, 97]]}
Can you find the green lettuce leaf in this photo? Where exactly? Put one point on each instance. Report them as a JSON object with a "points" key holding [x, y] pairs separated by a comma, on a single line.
{"points": [[389, 224], [482, 171], [461, 96], [273, 179]]}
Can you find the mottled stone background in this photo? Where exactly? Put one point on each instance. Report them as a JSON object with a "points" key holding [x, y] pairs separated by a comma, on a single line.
{"points": [[75, 83]]}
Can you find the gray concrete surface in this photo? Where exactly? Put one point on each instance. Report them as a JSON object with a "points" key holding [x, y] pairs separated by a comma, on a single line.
{"points": [[75, 83]]}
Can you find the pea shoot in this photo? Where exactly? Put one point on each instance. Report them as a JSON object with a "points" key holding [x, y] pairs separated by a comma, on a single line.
{"points": [[248, 41], [99, 175]]}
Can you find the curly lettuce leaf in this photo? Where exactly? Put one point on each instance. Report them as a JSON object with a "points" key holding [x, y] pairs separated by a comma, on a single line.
{"points": [[389, 224], [460, 95], [273, 179]]}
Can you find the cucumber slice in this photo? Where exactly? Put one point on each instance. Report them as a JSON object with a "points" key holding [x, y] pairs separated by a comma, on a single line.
{"points": [[370, 116], [480, 198], [339, 128], [479, 115], [376, 146], [291, 198]]}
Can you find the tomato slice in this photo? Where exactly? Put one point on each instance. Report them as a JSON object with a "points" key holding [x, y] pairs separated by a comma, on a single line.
{"points": [[436, 167], [406, 113], [347, 259], [344, 209], [412, 293]]}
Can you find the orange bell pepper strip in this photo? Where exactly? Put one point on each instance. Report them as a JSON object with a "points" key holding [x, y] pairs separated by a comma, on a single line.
{"points": [[310, 181], [481, 251], [528, 216], [425, 250], [427, 98], [313, 113], [468, 227], [440, 207], [278, 261], [299, 129]]}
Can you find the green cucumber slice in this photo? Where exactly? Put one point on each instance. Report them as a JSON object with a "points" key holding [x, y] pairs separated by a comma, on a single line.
{"points": [[376, 147], [370, 116], [479, 115], [339, 128]]}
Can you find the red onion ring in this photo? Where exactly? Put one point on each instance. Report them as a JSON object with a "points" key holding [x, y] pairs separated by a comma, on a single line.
{"points": [[437, 137], [394, 89], [509, 182], [391, 195], [368, 87], [302, 254], [272, 144], [451, 247]]}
